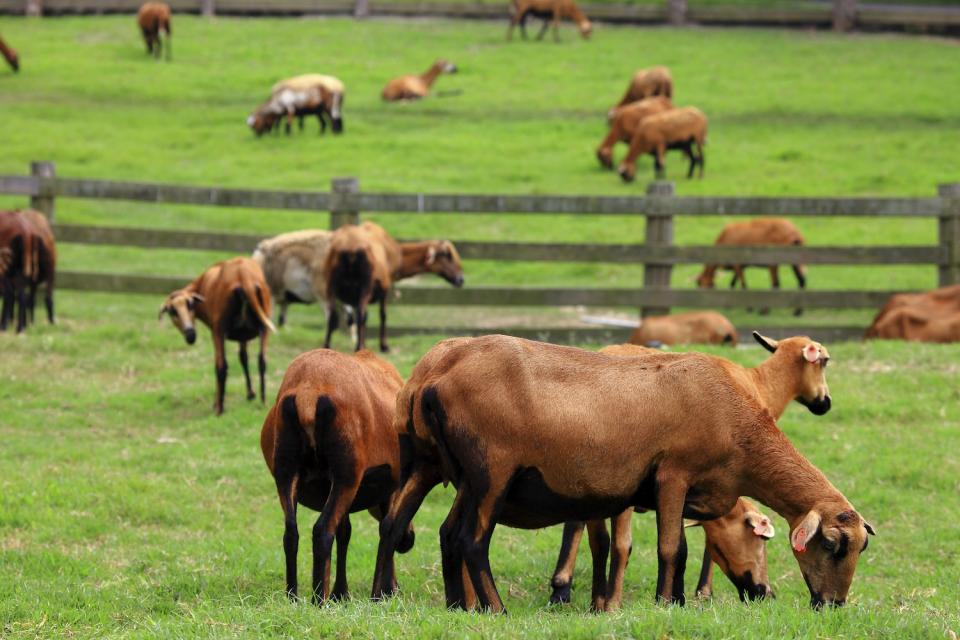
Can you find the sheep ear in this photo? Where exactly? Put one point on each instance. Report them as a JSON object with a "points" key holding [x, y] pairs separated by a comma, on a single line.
{"points": [[811, 353], [431, 255], [196, 297], [163, 309], [691, 523], [869, 528], [805, 531], [761, 524], [767, 343]]}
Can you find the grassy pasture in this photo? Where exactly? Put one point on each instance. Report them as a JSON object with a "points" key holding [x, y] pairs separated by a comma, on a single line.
{"points": [[127, 509]]}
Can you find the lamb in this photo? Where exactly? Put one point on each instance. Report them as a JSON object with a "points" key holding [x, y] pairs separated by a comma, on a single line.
{"points": [[505, 413], [364, 261], [624, 123], [232, 298], [684, 129], [20, 257], [550, 11], [10, 55], [655, 81], [776, 382], [414, 87], [781, 378], [154, 17], [692, 327], [309, 94], [330, 446], [293, 264], [759, 231]]}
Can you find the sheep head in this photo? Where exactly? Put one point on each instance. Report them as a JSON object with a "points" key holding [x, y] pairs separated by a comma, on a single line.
{"points": [[443, 259], [586, 28], [827, 543], [806, 360], [181, 307]]}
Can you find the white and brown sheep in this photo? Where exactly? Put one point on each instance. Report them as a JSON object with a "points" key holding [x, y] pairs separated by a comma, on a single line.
{"points": [[233, 299], [364, 261], [329, 443], [646, 83], [414, 87], [756, 232], [154, 18], [624, 123], [293, 265], [684, 129], [308, 94], [550, 11], [503, 414]]}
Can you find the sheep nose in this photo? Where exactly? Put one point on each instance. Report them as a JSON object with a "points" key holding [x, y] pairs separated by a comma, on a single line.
{"points": [[458, 281], [190, 335]]}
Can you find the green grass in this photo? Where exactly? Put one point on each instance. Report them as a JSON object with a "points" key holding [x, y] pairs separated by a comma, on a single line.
{"points": [[128, 510]]}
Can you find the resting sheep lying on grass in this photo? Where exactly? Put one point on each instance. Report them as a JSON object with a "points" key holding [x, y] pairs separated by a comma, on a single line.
{"points": [[932, 316], [232, 298], [692, 327], [414, 87]]}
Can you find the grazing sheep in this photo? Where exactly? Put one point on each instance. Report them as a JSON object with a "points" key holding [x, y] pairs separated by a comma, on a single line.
{"points": [[624, 123], [692, 327], [233, 299], [789, 375], [293, 266], [932, 316], [759, 231], [414, 87], [309, 94], [655, 81], [550, 11], [684, 129], [364, 261], [153, 18], [46, 250], [330, 445], [10, 55], [504, 413], [20, 265]]}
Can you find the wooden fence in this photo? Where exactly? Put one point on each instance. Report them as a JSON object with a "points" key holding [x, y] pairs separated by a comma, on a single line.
{"points": [[840, 15], [658, 253]]}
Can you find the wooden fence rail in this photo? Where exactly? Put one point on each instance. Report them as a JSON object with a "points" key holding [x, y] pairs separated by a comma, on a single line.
{"points": [[345, 202]]}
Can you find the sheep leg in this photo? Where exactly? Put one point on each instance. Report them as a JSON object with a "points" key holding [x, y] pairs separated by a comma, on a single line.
{"points": [[300, 127], [600, 550], [562, 579], [332, 321], [384, 348], [48, 299], [404, 505], [362, 323], [283, 313], [220, 365], [658, 162], [688, 151], [801, 282], [543, 29], [475, 533], [286, 473], [323, 123], [701, 159], [22, 308], [450, 556], [619, 556], [288, 125], [336, 507], [605, 150], [705, 584], [262, 364], [513, 23], [6, 313], [738, 274], [671, 541], [340, 588], [774, 283], [31, 302], [244, 362], [148, 40]]}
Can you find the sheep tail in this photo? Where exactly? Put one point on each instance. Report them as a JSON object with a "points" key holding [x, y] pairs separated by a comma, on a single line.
{"points": [[435, 418], [254, 295]]}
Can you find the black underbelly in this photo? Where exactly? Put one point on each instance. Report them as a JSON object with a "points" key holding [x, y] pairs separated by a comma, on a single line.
{"points": [[375, 488]]}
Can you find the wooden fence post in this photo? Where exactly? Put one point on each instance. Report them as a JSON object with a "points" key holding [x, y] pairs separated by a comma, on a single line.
{"points": [[659, 232], [34, 8], [676, 12], [43, 201], [844, 14], [207, 8], [949, 233], [342, 211], [361, 8]]}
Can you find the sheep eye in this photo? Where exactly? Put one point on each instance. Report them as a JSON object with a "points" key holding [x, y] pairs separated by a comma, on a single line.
{"points": [[828, 545]]}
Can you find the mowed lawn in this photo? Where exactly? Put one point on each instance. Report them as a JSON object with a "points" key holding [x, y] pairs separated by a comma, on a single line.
{"points": [[128, 510]]}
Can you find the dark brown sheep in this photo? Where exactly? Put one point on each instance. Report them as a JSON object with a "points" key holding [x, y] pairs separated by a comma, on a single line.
{"points": [[154, 18], [22, 256], [550, 11]]}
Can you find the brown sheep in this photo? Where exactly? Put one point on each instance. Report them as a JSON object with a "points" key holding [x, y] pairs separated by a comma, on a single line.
{"points": [[684, 129], [759, 231], [233, 299], [330, 445], [550, 11], [931, 316], [10, 55], [655, 81], [624, 122], [153, 18], [414, 87], [20, 257], [774, 383], [46, 248], [364, 261], [692, 327], [505, 413]]}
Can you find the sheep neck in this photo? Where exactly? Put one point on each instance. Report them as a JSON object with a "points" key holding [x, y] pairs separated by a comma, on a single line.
{"points": [[775, 384], [431, 75], [413, 259]]}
